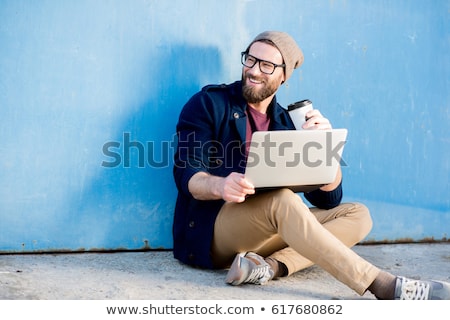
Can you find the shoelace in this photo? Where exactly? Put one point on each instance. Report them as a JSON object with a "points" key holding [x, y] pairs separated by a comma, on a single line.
{"points": [[259, 275], [414, 290]]}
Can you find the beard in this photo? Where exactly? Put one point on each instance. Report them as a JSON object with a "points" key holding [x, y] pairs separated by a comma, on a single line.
{"points": [[253, 95]]}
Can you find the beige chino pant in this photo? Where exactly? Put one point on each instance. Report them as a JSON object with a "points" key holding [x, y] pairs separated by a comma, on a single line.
{"points": [[280, 225]]}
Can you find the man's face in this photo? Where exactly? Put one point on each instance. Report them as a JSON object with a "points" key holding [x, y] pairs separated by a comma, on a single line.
{"points": [[256, 85]]}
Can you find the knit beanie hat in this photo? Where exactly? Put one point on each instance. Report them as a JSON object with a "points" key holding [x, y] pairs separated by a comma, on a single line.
{"points": [[291, 53]]}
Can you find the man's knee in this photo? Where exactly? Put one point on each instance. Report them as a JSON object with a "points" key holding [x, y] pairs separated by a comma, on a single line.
{"points": [[284, 193], [284, 200], [363, 215]]}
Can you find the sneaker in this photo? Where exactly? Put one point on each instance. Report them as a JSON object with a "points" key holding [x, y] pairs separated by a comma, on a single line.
{"points": [[407, 289], [249, 268]]}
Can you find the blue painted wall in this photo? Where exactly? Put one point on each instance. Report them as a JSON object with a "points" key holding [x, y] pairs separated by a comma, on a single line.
{"points": [[90, 92]]}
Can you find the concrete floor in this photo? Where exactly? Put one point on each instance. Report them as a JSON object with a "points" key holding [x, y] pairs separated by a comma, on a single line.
{"points": [[156, 275]]}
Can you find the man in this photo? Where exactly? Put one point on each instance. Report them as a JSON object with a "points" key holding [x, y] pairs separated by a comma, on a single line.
{"points": [[220, 222]]}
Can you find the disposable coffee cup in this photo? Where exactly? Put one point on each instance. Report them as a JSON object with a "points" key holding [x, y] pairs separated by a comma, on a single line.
{"points": [[298, 110]]}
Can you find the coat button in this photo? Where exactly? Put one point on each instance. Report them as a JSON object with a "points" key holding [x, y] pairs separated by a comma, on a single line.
{"points": [[219, 162], [236, 115], [191, 224]]}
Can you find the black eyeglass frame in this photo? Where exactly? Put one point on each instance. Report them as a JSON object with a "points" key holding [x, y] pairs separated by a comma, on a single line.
{"points": [[246, 54]]}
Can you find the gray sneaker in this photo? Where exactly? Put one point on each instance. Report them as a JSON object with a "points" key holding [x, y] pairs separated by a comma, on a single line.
{"points": [[408, 289], [249, 268]]}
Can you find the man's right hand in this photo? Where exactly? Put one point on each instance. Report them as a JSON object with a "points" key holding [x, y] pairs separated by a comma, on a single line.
{"points": [[233, 188]]}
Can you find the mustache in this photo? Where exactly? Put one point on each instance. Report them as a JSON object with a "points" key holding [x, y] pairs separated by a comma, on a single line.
{"points": [[260, 79]]}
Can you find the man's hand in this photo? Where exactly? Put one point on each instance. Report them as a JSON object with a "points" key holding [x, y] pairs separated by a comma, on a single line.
{"points": [[316, 121], [233, 188]]}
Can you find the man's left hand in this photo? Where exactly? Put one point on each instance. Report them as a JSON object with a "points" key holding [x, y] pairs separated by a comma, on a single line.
{"points": [[316, 121]]}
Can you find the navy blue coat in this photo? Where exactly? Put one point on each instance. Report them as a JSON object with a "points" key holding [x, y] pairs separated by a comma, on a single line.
{"points": [[211, 135]]}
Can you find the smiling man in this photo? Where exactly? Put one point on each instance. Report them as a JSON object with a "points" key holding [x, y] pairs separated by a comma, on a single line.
{"points": [[221, 222], [258, 89]]}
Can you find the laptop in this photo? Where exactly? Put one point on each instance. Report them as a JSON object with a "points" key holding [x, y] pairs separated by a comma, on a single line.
{"points": [[302, 160]]}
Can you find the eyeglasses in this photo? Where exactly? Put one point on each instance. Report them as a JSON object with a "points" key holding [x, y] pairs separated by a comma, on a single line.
{"points": [[266, 67]]}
